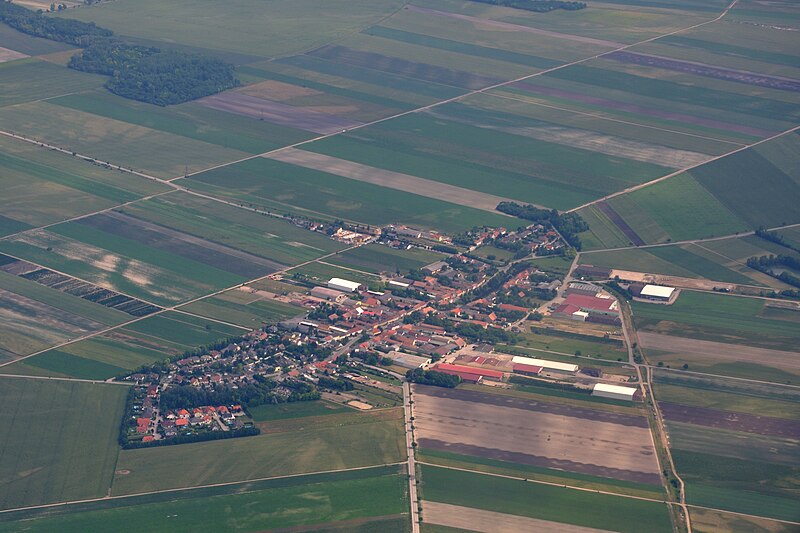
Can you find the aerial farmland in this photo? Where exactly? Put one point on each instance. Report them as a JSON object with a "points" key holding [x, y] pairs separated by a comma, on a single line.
{"points": [[454, 265]]}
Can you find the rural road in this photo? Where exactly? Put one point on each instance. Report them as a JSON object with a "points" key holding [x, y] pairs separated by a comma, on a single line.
{"points": [[412, 470]]}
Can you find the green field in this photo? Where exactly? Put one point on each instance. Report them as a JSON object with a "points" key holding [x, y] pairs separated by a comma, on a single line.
{"points": [[549, 475], [127, 348], [320, 273], [585, 346], [556, 504], [318, 193], [376, 258], [59, 440], [374, 496], [708, 521], [369, 439], [31, 79], [267, 413], [717, 317], [728, 401], [243, 308]]}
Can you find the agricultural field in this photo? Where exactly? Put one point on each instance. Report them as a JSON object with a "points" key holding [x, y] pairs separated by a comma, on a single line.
{"points": [[318, 273], [376, 258], [734, 444], [59, 440], [32, 79], [712, 200], [127, 348], [307, 445], [321, 194], [536, 433], [267, 413], [374, 497], [573, 344], [246, 307], [556, 504]]}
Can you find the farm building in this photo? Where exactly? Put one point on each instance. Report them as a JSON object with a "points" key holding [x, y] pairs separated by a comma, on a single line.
{"points": [[475, 374], [545, 364], [614, 391], [433, 268], [344, 285], [527, 370], [407, 360], [657, 292], [325, 293], [585, 308]]}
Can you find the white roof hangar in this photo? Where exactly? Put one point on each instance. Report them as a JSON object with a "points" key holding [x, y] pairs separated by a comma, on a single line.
{"points": [[657, 291], [544, 363], [343, 285], [614, 391]]}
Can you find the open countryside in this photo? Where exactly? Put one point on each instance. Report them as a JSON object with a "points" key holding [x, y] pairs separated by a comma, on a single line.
{"points": [[400, 266]]}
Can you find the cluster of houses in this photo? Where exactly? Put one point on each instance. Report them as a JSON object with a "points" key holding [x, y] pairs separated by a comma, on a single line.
{"points": [[536, 238]]}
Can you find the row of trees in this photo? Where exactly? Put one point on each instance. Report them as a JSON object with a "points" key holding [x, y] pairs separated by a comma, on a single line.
{"points": [[147, 74], [537, 6], [569, 225], [766, 264]]}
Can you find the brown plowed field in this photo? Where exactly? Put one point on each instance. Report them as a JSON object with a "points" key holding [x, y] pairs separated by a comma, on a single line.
{"points": [[614, 217], [717, 418], [535, 433]]}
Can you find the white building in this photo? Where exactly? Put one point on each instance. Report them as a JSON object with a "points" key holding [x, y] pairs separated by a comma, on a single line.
{"points": [[657, 292], [545, 364], [343, 285], [614, 391]]}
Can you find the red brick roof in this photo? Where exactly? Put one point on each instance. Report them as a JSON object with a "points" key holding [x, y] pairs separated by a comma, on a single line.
{"points": [[531, 369], [445, 367]]}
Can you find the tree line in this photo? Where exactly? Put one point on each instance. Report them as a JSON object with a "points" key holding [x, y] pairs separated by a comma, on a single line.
{"points": [[537, 6], [766, 263], [147, 74], [567, 224], [432, 377]]}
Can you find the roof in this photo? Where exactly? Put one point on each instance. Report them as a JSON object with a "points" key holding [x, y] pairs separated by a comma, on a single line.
{"points": [[443, 367], [339, 282], [657, 291], [520, 367], [592, 303], [614, 389], [544, 363]]}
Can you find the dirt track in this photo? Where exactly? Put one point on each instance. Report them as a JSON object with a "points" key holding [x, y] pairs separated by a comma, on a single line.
{"points": [[504, 428], [719, 351], [444, 514], [388, 178]]}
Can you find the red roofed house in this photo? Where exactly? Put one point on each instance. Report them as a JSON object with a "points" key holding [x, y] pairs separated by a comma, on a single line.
{"points": [[148, 438], [528, 370]]}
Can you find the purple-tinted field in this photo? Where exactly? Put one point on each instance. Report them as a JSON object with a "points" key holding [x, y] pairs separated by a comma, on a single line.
{"points": [[277, 113], [734, 421]]}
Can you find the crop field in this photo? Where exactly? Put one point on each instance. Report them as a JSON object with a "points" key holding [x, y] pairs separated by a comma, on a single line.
{"points": [[159, 153], [36, 317], [717, 318], [27, 44], [313, 192], [460, 146], [346, 499], [59, 440], [584, 345], [320, 273], [122, 264], [127, 348], [377, 258], [690, 261], [42, 187], [189, 120], [554, 504], [31, 79], [244, 306], [708, 521], [536, 433], [369, 439], [267, 413]]}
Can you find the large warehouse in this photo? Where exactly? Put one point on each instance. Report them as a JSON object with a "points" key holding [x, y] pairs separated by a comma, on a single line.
{"points": [[545, 364], [614, 391], [343, 285], [657, 292]]}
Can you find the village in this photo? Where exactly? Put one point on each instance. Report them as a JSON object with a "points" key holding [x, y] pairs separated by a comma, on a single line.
{"points": [[447, 317]]}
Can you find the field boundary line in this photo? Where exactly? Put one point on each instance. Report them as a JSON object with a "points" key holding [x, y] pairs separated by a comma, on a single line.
{"points": [[197, 487], [79, 380]]}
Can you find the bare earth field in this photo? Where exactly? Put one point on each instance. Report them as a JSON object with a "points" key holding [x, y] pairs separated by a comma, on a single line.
{"points": [[277, 113], [717, 418], [537, 433], [444, 514], [388, 178], [10, 55], [672, 281], [720, 351]]}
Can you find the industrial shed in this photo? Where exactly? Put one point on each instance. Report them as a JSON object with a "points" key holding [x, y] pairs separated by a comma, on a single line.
{"points": [[614, 391], [657, 292], [474, 373], [340, 284], [545, 364]]}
